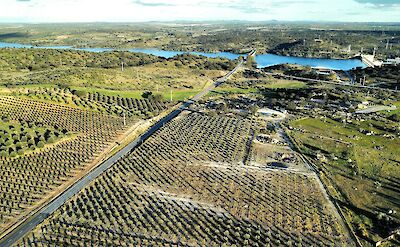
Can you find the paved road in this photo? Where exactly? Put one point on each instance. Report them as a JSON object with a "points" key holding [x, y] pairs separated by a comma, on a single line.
{"points": [[53, 205], [217, 83], [376, 109], [322, 81]]}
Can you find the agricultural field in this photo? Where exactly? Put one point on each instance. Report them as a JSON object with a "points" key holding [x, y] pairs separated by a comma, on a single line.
{"points": [[19, 137], [95, 101], [221, 173], [44, 147], [52, 132], [355, 154], [193, 183]]}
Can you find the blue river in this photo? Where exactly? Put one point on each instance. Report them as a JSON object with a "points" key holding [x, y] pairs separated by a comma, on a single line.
{"points": [[263, 60]]}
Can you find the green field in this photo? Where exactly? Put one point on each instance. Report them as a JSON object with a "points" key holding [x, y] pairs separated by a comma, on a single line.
{"points": [[248, 81], [277, 83], [363, 167]]}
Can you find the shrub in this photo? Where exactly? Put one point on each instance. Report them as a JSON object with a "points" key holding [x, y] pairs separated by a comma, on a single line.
{"points": [[51, 139], [395, 117], [79, 93], [147, 94], [40, 144], [9, 142]]}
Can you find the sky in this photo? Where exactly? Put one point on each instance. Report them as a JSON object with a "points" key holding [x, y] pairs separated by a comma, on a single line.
{"points": [[198, 10]]}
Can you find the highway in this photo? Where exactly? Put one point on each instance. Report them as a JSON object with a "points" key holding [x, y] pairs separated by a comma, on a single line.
{"points": [[31, 222]]}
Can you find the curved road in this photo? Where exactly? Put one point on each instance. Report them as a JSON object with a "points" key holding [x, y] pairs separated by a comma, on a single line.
{"points": [[34, 220]]}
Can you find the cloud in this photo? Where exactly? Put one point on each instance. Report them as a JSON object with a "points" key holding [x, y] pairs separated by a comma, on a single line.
{"points": [[380, 3], [174, 10], [150, 3], [249, 6], [259, 6]]}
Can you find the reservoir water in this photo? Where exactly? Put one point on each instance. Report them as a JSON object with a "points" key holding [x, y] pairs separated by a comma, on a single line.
{"points": [[263, 60]]}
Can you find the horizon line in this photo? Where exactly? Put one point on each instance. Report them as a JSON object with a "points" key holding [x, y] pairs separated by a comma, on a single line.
{"points": [[200, 21]]}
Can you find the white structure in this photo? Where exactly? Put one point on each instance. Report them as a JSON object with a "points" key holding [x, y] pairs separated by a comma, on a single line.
{"points": [[271, 114], [370, 61], [391, 61]]}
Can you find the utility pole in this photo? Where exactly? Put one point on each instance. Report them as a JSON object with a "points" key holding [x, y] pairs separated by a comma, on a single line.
{"points": [[171, 95], [362, 49], [374, 51], [364, 81], [387, 44], [122, 66]]}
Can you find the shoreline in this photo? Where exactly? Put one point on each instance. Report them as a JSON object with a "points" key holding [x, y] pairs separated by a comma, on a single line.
{"points": [[275, 58]]}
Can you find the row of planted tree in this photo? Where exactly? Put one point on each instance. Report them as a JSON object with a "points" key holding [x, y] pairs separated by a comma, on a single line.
{"points": [[58, 142], [186, 185]]}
